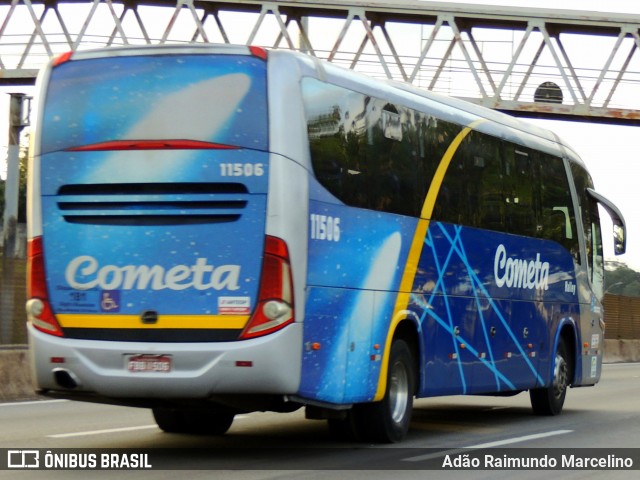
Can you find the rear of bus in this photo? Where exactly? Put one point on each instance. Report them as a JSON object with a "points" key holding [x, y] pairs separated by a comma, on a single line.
{"points": [[151, 273]]}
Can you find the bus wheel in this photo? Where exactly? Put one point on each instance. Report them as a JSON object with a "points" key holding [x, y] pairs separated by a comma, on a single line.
{"points": [[200, 422], [388, 421], [549, 400]]}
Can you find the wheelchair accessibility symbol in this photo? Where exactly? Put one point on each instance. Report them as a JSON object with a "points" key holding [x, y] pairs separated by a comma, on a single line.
{"points": [[110, 300]]}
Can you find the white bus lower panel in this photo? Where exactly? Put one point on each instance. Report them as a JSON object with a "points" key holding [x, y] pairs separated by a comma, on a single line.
{"points": [[268, 365]]}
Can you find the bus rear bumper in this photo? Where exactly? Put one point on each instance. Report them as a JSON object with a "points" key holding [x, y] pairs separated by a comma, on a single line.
{"points": [[264, 366]]}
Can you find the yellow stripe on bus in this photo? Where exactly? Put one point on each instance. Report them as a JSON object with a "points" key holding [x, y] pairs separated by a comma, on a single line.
{"points": [[411, 267], [211, 322]]}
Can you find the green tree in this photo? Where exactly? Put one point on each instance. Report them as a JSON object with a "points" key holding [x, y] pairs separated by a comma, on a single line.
{"points": [[620, 279]]}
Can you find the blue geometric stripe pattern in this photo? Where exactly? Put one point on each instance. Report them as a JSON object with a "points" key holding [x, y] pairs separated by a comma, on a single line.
{"points": [[456, 252]]}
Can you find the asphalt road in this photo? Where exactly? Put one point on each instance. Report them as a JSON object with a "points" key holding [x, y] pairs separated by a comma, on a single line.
{"points": [[268, 445]]}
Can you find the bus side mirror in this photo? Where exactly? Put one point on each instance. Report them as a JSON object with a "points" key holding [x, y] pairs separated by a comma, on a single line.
{"points": [[619, 243], [619, 226]]}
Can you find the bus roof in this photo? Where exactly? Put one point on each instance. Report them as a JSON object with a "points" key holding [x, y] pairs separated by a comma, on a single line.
{"points": [[447, 108]]}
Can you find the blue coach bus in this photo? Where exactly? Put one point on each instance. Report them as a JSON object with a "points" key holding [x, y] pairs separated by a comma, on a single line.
{"points": [[222, 229]]}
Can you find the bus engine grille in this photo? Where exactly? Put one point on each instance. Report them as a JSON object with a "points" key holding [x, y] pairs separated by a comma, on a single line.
{"points": [[152, 203]]}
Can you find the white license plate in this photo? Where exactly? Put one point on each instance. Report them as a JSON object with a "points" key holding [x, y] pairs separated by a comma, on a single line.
{"points": [[149, 363]]}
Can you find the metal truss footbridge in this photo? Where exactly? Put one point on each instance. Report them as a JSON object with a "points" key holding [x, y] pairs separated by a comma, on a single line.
{"points": [[525, 60]]}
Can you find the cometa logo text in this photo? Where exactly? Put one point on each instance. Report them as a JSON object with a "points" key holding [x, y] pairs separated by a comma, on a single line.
{"points": [[518, 272], [84, 272]]}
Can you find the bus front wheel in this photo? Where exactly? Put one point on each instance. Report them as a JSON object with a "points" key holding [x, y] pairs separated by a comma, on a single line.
{"points": [[388, 421], [200, 422], [550, 400]]}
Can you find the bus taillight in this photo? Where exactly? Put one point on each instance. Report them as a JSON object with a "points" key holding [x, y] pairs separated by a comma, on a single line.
{"points": [[275, 302], [38, 309]]}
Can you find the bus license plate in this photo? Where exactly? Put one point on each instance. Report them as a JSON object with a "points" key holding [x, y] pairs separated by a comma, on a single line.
{"points": [[149, 363]]}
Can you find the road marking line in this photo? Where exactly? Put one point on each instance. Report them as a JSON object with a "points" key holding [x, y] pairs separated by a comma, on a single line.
{"points": [[509, 441], [498, 443], [114, 430], [33, 402], [100, 432]]}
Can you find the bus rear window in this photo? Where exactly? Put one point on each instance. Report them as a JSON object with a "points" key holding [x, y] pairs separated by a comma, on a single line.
{"points": [[209, 98]]}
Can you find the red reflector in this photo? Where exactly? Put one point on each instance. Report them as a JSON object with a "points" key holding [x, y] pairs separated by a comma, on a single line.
{"points": [[151, 145], [244, 363], [64, 58], [259, 52], [57, 360]]}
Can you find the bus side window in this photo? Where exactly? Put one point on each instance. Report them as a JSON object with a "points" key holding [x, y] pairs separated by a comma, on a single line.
{"points": [[520, 184], [370, 153], [558, 220]]}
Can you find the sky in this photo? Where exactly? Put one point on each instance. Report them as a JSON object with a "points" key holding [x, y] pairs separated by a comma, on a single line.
{"points": [[609, 151]]}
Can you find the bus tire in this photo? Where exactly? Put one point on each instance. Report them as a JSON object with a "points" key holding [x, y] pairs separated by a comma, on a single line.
{"points": [[550, 400], [199, 422], [388, 421]]}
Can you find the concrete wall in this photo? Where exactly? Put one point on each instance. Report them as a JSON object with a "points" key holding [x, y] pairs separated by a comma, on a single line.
{"points": [[15, 375]]}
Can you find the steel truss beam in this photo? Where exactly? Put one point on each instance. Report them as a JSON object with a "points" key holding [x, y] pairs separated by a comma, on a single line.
{"points": [[494, 56]]}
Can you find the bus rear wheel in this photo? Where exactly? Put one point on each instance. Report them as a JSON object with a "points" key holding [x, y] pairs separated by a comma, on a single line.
{"points": [[388, 421], [550, 400], [200, 422]]}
